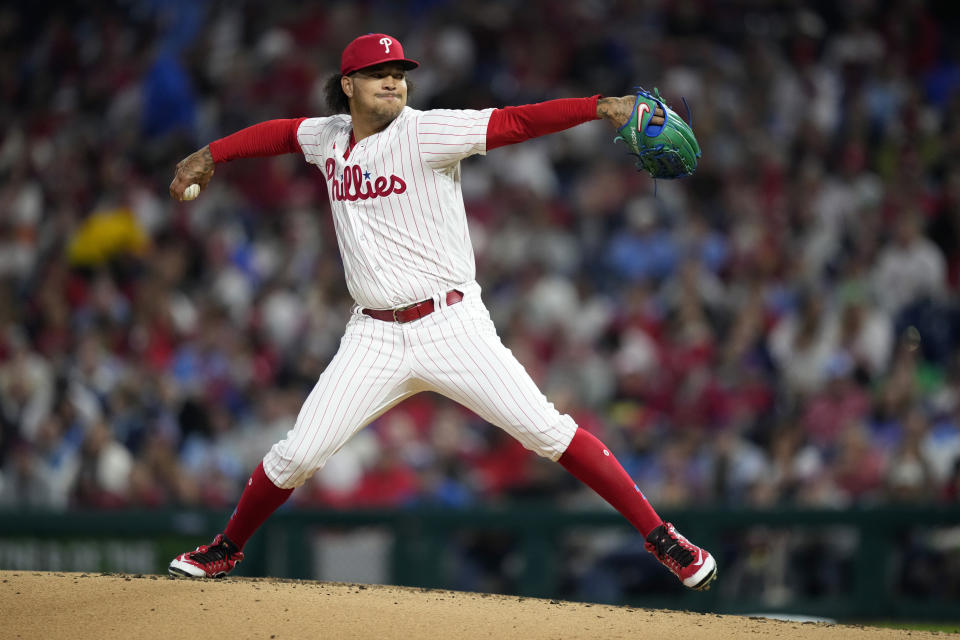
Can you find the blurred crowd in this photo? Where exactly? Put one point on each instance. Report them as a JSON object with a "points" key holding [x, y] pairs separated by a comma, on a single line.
{"points": [[781, 328]]}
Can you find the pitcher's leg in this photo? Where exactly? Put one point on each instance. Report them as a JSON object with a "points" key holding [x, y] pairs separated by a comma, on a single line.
{"points": [[476, 370], [462, 358], [260, 498], [367, 376], [465, 360], [591, 462]]}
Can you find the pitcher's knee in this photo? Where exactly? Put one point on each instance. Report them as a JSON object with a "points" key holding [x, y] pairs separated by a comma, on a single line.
{"points": [[289, 470], [551, 442]]}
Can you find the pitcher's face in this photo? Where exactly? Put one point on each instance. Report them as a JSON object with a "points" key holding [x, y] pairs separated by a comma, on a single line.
{"points": [[378, 92]]}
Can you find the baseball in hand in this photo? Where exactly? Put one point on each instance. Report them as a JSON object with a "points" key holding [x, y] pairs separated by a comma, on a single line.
{"points": [[191, 192]]}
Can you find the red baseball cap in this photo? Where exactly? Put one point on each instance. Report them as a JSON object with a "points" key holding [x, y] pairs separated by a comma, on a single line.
{"points": [[372, 49]]}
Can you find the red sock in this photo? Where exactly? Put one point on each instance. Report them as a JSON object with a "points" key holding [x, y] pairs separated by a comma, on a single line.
{"points": [[592, 463], [259, 500]]}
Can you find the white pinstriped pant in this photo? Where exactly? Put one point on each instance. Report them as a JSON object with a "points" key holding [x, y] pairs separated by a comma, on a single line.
{"points": [[454, 351]]}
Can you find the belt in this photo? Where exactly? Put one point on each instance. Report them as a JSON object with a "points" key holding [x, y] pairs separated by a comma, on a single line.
{"points": [[413, 311]]}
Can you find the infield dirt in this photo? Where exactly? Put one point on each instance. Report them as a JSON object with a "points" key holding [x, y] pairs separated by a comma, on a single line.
{"points": [[80, 606]]}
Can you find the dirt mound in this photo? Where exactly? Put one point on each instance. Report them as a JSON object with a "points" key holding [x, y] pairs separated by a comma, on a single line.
{"points": [[80, 606]]}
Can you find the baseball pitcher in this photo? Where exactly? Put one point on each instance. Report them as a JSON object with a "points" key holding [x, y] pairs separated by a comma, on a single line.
{"points": [[419, 323]]}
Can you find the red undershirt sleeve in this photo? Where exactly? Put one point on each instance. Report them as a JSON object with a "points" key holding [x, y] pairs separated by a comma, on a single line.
{"points": [[270, 138], [516, 124]]}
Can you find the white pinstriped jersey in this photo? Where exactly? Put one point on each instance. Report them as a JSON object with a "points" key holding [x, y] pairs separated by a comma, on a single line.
{"points": [[396, 200]]}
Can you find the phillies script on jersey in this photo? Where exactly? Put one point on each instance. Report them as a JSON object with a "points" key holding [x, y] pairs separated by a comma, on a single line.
{"points": [[396, 201], [355, 183]]}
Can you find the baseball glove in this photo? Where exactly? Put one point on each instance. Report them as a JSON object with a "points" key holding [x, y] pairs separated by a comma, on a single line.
{"points": [[669, 150]]}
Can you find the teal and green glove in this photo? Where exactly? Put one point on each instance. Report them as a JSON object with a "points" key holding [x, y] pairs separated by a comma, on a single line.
{"points": [[667, 151]]}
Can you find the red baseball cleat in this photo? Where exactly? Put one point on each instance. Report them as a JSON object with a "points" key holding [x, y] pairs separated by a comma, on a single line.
{"points": [[213, 560], [695, 567]]}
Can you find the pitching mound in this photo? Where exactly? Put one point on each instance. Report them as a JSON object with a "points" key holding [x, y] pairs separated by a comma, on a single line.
{"points": [[82, 606]]}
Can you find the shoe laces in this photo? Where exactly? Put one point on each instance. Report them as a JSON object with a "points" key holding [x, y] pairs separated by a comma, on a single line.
{"points": [[217, 552], [670, 546]]}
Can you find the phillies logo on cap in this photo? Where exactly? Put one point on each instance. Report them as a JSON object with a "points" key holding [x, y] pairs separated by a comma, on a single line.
{"points": [[371, 49]]}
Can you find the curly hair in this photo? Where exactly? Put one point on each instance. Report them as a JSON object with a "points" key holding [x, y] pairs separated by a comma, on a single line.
{"points": [[337, 101]]}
